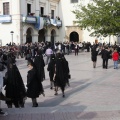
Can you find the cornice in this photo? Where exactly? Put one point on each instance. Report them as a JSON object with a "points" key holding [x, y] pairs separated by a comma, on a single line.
{"points": [[31, 1], [53, 0]]}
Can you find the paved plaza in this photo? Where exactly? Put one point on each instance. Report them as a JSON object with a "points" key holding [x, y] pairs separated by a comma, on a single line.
{"points": [[94, 94]]}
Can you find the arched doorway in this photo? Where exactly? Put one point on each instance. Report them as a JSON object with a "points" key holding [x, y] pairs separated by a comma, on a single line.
{"points": [[74, 36], [41, 35], [53, 34], [28, 36]]}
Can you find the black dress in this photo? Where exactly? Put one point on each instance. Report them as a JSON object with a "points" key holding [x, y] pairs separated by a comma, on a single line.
{"points": [[60, 80], [39, 64], [15, 89], [34, 87], [51, 68], [66, 70], [94, 54]]}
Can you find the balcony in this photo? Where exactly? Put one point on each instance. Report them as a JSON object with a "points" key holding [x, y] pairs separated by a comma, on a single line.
{"points": [[29, 19], [5, 19], [55, 22]]}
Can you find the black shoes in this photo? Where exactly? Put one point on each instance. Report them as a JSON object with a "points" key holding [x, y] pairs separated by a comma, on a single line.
{"points": [[35, 105], [56, 94], [63, 96]]}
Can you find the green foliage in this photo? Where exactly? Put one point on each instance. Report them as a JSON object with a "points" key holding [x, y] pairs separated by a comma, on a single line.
{"points": [[102, 16]]}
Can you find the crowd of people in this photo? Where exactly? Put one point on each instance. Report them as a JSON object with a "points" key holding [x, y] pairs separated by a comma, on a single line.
{"points": [[15, 90], [57, 66], [107, 52]]}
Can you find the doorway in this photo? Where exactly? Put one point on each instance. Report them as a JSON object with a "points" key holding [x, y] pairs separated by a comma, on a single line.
{"points": [[74, 37]]}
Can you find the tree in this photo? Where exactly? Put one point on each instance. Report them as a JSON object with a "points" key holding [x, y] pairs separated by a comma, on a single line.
{"points": [[102, 16]]}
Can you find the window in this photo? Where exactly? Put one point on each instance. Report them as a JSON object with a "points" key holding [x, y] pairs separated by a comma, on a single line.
{"points": [[74, 1], [6, 9], [28, 8], [52, 14], [42, 11]]}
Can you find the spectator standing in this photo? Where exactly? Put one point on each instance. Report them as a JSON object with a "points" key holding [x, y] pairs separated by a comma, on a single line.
{"points": [[94, 54], [76, 49], [105, 57], [115, 57]]}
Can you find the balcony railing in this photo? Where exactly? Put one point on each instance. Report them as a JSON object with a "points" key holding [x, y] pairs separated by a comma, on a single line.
{"points": [[30, 19], [5, 19], [42, 22], [55, 22]]}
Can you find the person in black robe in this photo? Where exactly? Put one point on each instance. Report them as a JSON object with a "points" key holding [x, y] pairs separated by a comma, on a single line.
{"points": [[59, 75], [66, 70], [34, 86], [14, 87], [51, 69], [40, 64]]}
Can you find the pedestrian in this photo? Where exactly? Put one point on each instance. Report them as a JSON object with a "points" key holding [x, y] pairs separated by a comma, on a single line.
{"points": [[34, 86], [66, 70], [105, 57], [59, 76], [94, 54], [115, 57], [14, 86], [40, 64], [76, 49], [51, 69]]}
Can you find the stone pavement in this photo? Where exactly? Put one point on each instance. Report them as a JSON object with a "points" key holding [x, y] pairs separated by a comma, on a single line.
{"points": [[93, 94]]}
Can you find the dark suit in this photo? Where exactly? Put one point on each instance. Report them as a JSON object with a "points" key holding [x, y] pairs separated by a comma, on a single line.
{"points": [[105, 57]]}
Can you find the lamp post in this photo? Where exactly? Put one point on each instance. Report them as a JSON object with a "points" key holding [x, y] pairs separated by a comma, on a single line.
{"points": [[12, 36]]}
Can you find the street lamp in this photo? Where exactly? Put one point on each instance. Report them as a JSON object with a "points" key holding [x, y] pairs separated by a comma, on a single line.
{"points": [[12, 36]]}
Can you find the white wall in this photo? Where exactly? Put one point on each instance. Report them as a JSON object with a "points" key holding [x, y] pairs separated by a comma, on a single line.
{"points": [[63, 9]]}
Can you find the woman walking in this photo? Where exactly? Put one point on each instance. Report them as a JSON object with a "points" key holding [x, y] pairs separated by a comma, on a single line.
{"points": [[59, 75], [39, 64], [14, 87], [34, 86]]}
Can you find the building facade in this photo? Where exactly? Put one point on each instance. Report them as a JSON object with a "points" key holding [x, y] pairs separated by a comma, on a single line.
{"points": [[24, 21]]}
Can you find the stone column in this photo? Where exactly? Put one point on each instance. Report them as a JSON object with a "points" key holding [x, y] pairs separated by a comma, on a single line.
{"points": [[16, 21]]}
